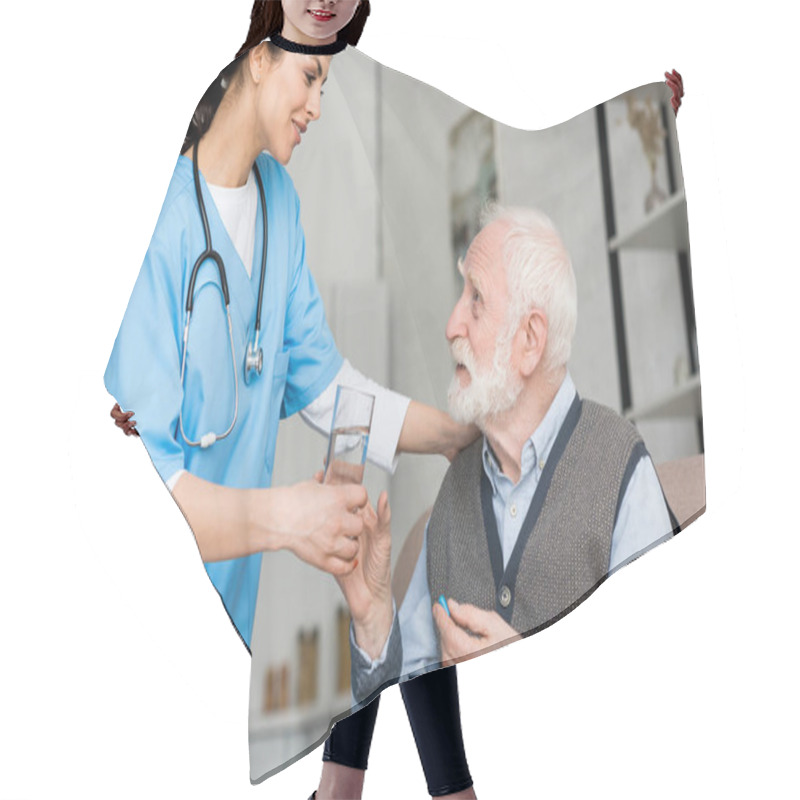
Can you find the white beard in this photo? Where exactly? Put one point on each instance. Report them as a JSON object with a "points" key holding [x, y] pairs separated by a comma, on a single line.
{"points": [[490, 393]]}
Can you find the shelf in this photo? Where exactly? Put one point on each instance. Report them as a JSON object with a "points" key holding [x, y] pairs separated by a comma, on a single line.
{"points": [[278, 723], [664, 229], [681, 402]]}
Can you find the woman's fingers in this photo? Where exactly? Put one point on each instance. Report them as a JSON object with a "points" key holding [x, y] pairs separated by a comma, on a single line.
{"points": [[351, 525], [340, 568], [355, 496], [124, 420], [675, 83], [346, 548]]}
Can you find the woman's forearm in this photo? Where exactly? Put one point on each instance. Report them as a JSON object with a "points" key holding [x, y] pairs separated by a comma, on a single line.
{"points": [[317, 523], [428, 430], [227, 523]]}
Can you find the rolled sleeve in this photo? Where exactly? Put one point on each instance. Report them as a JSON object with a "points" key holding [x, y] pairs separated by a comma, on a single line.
{"points": [[388, 414], [368, 675]]}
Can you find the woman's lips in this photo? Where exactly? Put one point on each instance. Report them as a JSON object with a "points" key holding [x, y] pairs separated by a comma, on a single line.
{"points": [[321, 16]]}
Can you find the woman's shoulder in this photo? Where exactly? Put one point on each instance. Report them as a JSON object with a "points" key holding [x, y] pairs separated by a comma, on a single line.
{"points": [[181, 183], [275, 175]]}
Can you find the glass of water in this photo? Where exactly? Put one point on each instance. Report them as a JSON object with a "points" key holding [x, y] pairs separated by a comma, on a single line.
{"points": [[347, 446]]}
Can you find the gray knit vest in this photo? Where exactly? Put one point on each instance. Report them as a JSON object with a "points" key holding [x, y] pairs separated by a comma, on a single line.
{"points": [[562, 553]]}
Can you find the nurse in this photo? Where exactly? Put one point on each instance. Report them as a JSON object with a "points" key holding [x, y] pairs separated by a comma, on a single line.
{"points": [[271, 98]]}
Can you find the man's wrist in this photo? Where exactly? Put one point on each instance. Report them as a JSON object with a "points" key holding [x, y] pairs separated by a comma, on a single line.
{"points": [[373, 629]]}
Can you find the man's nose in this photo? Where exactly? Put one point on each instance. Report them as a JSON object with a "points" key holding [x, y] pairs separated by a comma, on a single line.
{"points": [[455, 325]]}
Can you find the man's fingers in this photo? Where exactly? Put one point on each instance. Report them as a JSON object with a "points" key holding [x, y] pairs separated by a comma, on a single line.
{"points": [[455, 641], [469, 616], [384, 511]]}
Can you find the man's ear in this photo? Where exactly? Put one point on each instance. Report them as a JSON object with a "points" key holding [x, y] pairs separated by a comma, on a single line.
{"points": [[534, 341]]}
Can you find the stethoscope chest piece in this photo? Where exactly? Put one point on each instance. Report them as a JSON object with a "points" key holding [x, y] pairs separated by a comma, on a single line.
{"points": [[253, 361]]}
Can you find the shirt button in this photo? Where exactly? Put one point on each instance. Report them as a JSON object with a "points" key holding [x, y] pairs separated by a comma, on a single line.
{"points": [[513, 510], [505, 597]]}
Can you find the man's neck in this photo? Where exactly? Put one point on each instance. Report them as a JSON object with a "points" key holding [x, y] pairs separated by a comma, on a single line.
{"points": [[508, 432]]}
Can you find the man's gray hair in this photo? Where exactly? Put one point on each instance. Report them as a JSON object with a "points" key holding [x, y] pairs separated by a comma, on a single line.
{"points": [[539, 274]]}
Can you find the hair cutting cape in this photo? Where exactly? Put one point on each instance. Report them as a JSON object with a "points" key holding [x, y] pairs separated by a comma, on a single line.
{"points": [[391, 181]]}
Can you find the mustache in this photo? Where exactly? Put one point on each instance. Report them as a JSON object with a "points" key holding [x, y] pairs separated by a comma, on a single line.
{"points": [[461, 353]]}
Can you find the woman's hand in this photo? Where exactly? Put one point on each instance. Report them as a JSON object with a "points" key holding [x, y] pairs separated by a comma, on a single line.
{"points": [[124, 420], [368, 588], [461, 436], [321, 524], [675, 82], [428, 430]]}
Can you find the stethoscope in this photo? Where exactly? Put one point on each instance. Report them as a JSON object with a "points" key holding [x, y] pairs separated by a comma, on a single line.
{"points": [[254, 357]]}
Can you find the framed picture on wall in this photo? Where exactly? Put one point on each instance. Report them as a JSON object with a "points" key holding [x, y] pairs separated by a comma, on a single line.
{"points": [[473, 177]]}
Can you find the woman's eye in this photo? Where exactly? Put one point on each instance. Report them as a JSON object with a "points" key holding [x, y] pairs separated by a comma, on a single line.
{"points": [[310, 78]]}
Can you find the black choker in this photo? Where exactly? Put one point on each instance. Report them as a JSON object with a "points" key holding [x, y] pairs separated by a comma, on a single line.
{"points": [[308, 49]]}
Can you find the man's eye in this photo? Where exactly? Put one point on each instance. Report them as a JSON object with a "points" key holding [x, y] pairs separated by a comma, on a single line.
{"points": [[476, 296]]}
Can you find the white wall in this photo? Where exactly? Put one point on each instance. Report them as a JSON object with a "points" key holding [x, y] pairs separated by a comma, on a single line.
{"points": [[373, 179]]}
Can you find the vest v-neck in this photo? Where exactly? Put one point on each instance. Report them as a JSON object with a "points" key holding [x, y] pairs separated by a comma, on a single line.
{"points": [[507, 577]]}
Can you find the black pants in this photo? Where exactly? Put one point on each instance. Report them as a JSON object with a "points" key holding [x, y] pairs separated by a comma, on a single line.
{"points": [[432, 706]]}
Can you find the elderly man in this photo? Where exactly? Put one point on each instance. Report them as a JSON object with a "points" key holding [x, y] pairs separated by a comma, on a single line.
{"points": [[529, 519]]}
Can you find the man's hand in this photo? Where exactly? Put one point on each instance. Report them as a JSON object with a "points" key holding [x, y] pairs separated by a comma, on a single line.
{"points": [[124, 420], [368, 588], [469, 629]]}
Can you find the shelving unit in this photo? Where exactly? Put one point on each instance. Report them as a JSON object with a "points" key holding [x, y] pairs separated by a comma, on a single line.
{"points": [[683, 401], [297, 718], [666, 228]]}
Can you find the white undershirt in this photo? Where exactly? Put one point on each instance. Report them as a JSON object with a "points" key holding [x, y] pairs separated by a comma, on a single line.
{"points": [[237, 209]]}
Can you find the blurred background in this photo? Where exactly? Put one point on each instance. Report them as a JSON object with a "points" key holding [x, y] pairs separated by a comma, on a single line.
{"points": [[391, 181]]}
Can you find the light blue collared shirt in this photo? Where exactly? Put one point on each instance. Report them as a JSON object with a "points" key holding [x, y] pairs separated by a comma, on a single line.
{"points": [[642, 522]]}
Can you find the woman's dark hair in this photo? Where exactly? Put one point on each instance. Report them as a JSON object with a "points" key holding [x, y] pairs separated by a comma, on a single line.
{"points": [[209, 103], [266, 19]]}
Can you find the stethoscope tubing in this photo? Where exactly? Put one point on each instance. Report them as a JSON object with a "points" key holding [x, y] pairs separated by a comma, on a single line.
{"points": [[254, 355]]}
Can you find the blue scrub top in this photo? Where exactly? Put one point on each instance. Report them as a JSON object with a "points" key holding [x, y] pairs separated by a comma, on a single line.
{"points": [[300, 357]]}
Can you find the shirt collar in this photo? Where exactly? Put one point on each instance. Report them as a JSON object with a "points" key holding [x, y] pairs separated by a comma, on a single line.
{"points": [[536, 449]]}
